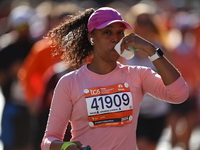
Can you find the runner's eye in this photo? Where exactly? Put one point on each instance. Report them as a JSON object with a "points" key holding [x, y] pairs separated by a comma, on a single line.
{"points": [[121, 32], [107, 32]]}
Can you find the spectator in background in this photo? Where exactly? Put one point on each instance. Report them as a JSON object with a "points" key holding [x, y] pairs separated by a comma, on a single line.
{"points": [[182, 118], [38, 68], [153, 112], [197, 49], [32, 71], [16, 45]]}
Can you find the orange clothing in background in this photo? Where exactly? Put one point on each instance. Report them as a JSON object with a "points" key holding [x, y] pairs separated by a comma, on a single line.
{"points": [[31, 73], [188, 65]]}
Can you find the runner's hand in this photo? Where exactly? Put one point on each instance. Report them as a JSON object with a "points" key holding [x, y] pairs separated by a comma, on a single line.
{"points": [[78, 146]]}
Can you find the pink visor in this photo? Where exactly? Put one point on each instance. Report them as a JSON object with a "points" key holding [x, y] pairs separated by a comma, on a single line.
{"points": [[103, 17]]}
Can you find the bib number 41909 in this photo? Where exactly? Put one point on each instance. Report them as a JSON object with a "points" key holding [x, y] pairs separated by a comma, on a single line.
{"points": [[109, 103], [105, 102]]}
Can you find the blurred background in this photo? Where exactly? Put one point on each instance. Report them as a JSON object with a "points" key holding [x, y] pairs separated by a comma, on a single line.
{"points": [[28, 72]]}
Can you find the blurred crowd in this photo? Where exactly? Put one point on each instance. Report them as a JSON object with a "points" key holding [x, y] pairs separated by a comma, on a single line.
{"points": [[29, 73]]}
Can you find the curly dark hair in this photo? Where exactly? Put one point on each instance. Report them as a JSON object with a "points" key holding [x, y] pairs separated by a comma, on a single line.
{"points": [[70, 39]]}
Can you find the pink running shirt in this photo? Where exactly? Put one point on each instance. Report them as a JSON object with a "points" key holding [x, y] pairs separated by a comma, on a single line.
{"points": [[70, 103]]}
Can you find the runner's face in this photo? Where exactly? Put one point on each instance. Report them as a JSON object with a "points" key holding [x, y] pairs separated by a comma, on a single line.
{"points": [[105, 40]]}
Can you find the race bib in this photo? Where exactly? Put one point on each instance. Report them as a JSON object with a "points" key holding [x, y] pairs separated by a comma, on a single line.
{"points": [[109, 106]]}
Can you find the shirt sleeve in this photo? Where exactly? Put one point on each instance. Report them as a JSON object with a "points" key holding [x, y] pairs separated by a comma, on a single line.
{"points": [[60, 112], [176, 92]]}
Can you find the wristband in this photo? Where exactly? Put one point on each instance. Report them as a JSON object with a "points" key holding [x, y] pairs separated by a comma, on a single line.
{"points": [[66, 145], [157, 55]]}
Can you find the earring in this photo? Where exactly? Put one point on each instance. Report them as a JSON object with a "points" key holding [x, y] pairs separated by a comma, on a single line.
{"points": [[91, 40]]}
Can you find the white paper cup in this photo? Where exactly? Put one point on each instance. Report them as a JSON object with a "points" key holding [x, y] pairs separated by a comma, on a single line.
{"points": [[127, 54]]}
